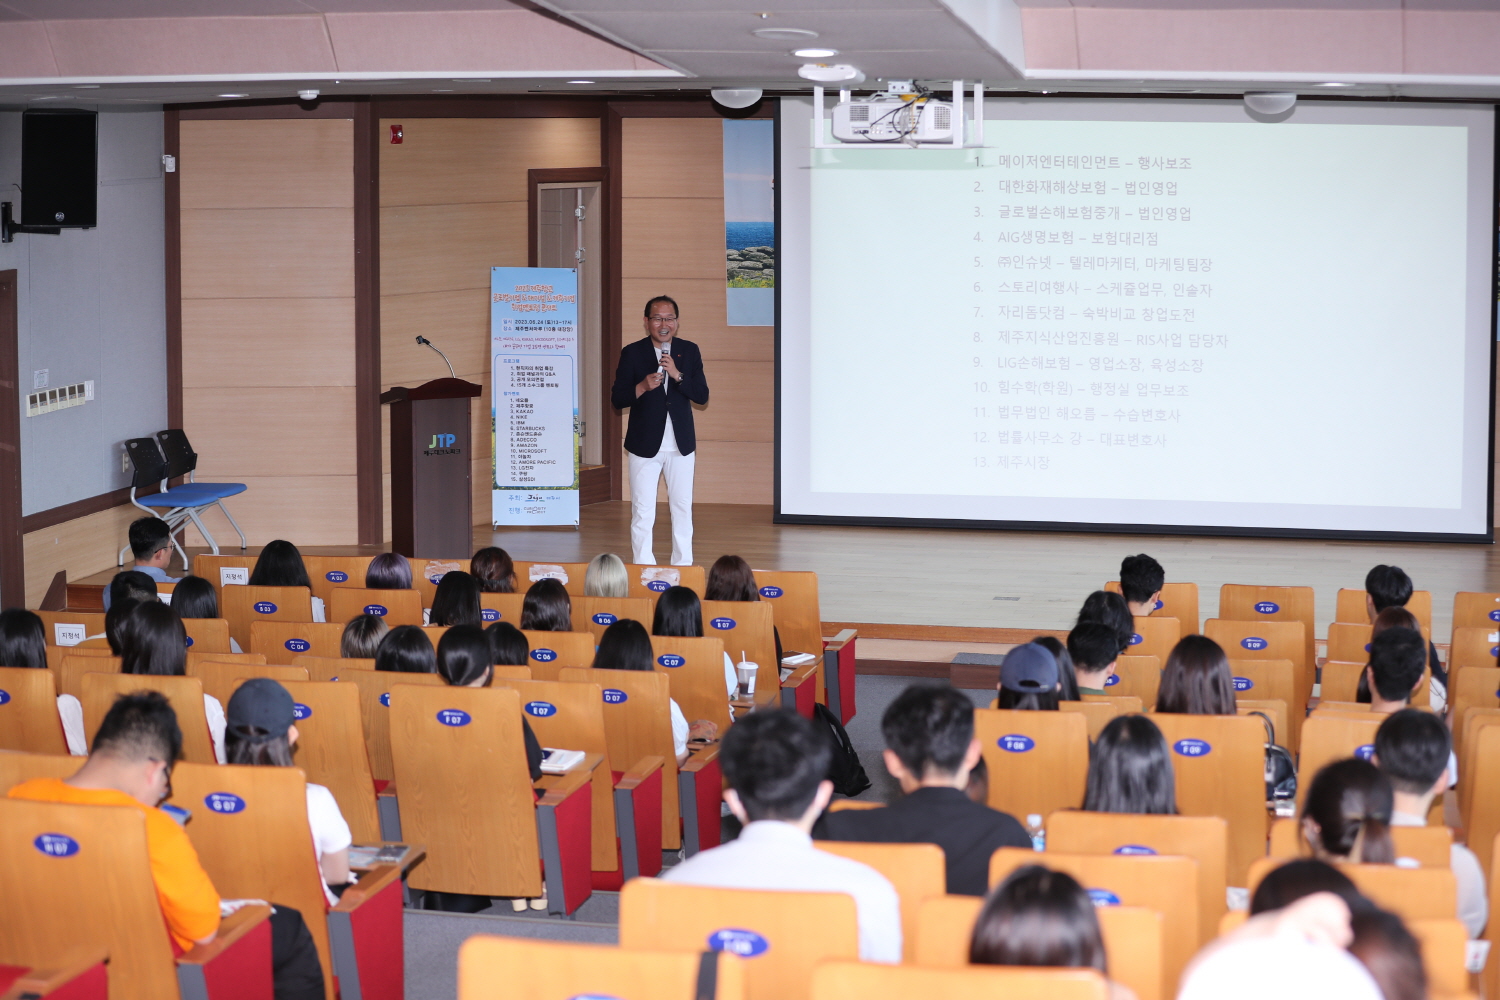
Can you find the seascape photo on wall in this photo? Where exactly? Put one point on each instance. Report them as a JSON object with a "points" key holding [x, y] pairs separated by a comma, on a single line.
{"points": [[750, 222]]}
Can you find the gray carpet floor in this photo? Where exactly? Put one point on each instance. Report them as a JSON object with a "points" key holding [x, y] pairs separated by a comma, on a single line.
{"points": [[433, 939]]}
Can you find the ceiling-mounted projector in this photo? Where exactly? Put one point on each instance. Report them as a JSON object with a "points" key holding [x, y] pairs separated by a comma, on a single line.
{"points": [[900, 113]]}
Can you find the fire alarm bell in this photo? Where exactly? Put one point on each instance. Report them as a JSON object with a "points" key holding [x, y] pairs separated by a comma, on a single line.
{"points": [[396, 135]]}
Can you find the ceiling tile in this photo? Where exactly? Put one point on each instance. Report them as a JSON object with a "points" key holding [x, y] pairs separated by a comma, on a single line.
{"points": [[943, 64], [72, 10], [783, 15], [680, 31], [412, 6]]}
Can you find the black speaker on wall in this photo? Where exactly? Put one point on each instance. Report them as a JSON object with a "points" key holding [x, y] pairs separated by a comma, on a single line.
{"points": [[60, 168]]}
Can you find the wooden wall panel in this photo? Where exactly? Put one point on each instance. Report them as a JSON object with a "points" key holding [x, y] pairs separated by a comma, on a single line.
{"points": [[447, 161], [82, 547], [673, 236], [268, 323]]}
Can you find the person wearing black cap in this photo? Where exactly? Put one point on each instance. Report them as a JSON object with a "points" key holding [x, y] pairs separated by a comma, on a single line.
{"points": [[1029, 679]]}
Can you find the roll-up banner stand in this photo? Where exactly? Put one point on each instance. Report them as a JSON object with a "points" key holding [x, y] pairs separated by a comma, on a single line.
{"points": [[534, 347]]}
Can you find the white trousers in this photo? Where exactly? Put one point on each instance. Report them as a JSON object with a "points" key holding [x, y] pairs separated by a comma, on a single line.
{"points": [[644, 474]]}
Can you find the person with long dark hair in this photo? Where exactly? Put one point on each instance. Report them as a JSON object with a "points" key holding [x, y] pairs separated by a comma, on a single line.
{"points": [[1347, 814], [388, 571], [406, 650], [1130, 770], [626, 646], [547, 607], [508, 647], [1196, 679], [1105, 607], [23, 643], [153, 641], [730, 578], [456, 601], [280, 565], [194, 597], [494, 569], [680, 613]]}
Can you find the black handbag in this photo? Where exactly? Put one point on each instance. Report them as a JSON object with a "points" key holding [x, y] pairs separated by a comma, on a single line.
{"points": [[1281, 773]]}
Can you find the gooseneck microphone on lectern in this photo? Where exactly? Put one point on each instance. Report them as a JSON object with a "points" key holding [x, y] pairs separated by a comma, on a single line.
{"points": [[427, 343]]}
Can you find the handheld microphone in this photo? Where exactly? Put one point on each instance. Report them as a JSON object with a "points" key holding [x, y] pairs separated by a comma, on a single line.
{"points": [[427, 343]]}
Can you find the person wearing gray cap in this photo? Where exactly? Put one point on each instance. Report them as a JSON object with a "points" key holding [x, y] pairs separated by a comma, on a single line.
{"points": [[1029, 680]]}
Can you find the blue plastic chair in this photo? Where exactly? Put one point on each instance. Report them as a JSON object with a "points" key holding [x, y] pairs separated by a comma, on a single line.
{"points": [[176, 506], [182, 460]]}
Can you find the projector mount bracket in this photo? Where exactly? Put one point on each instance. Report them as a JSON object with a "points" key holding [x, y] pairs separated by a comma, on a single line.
{"points": [[9, 228]]}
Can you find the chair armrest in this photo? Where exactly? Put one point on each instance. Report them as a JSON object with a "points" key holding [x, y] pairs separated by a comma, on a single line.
{"points": [[389, 791], [562, 785], [40, 982], [231, 929], [841, 640], [701, 757], [640, 772], [800, 675], [371, 881]]}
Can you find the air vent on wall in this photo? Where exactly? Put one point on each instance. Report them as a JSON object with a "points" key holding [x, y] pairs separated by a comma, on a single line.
{"points": [[47, 400]]}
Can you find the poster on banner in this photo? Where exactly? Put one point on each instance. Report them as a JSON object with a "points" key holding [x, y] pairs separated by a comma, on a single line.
{"points": [[534, 397]]}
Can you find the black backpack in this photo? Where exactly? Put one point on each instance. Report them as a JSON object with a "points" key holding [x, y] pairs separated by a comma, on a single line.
{"points": [[844, 770]]}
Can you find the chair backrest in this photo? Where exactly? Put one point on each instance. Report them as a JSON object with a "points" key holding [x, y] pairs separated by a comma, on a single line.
{"points": [[180, 456], [1428, 846], [1473, 609], [1271, 680], [1155, 636], [1351, 607], [570, 575], [1472, 687], [1465, 729], [243, 605], [551, 651], [793, 596], [637, 723], [28, 712], [1178, 600], [426, 574], [1476, 646], [1482, 762], [1166, 884], [502, 608], [1205, 839], [863, 980], [1281, 604], [397, 607], [220, 680], [69, 628], [1327, 738], [328, 573], [595, 614], [283, 642], [100, 895], [375, 688], [148, 465], [528, 969], [483, 844], [1275, 711], [1444, 945], [695, 669], [1220, 763], [16, 767], [224, 571], [782, 936], [1349, 642], [69, 672], [1099, 709], [1139, 676], [56, 654], [918, 871], [1269, 640], [650, 581], [184, 693], [1038, 761], [746, 627], [1412, 893], [194, 658], [207, 635], [331, 751], [253, 837], [329, 668]]}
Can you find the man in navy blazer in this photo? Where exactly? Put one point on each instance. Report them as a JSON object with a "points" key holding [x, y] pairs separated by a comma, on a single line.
{"points": [[658, 380]]}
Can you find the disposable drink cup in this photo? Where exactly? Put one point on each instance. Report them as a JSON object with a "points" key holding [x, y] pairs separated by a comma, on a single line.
{"points": [[746, 671]]}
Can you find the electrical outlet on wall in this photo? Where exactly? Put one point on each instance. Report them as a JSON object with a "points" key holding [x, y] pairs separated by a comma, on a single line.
{"points": [[124, 459]]}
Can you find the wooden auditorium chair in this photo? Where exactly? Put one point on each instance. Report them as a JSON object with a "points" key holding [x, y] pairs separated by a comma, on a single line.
{"points": [[1281, 604], [1444, 946], [1411, 893], [1427, 846], [70, 671], [746, 628], [1155, 637], [69, 628], [1038, 761], [782, 936], [1479, 777], [184, 693], [1489, 857], [1274, 712], [194, 658], [528, 969], [224, 570], [1178, 600], [695, 668], [797, 616], [251, 832], [1137, 676], [627, 811], [918, 872], [1351, 607], [28, 712], [56, 654], [78, 879], [1220, 765], [1099, 709], [549, 652], [1474, 647], [1472, 687], [331, 751], [207, 635], [375, 687], [1132, 940], [397, 607], [82, 977], [1269, 640], [569, 574], [501, 608], [1205, 839], [283, 642], [1341, 683], [1166, 884], [652, 581], [220, 680], [1327, 738], [1473, 609], [242, 605], [16, 767], [329, 573], [864, 981], [1348, 642], [426, 574], [446, 743], [595, 614], [329, 668]]}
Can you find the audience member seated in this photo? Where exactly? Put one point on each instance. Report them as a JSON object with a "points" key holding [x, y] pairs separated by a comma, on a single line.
{"points": [[1029, 679], [361, 637], [1130, 770], [775, 764], [1347, 814], [547, 608], [930, 751], [1105, 607], [388, 571], [114, 618], [978, 786], [23, 643], [465, 658], [680, 613], [280, 565], [730, 578], [456, 601], [1041, 917], [1196, 679], [1413, 750], [137, 744], [606, 577], [151, 546], [1390, 587], [1066, 676], [1398, 657], [132, 584], [1093, 649], [153, 641], [626, 646], [261, 731], [1285, 884], [1389, 618], [406, 650], [508, 646], [194, 597], [1141, 581], [494, 570]]}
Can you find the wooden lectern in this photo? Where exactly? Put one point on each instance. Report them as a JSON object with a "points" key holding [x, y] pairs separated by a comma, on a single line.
{"points": [[432, 456]]}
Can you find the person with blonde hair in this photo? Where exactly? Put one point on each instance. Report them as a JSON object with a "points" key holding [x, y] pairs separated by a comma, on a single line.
{"points": [[606, 577]]}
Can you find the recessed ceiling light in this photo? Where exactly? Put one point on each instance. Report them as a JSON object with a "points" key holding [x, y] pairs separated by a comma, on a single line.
{"points": [[471, 81], [815, 53], [580, 81], [234, 95], [1331, 84], [837, 73], [785, 34], [85, 86]]}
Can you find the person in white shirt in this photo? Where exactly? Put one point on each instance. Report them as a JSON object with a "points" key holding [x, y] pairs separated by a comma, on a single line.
{"points": [[626, 646], [261, 731], [679, 613], [152, 641], [23, 643], [1412, 749], [776, 766]]}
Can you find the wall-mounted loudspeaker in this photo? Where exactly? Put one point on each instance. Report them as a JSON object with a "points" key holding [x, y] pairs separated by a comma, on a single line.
{"points": [[60, 168]]}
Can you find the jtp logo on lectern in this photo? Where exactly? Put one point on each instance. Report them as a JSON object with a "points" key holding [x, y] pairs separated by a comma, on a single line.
{"points": [[442, 444]]}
